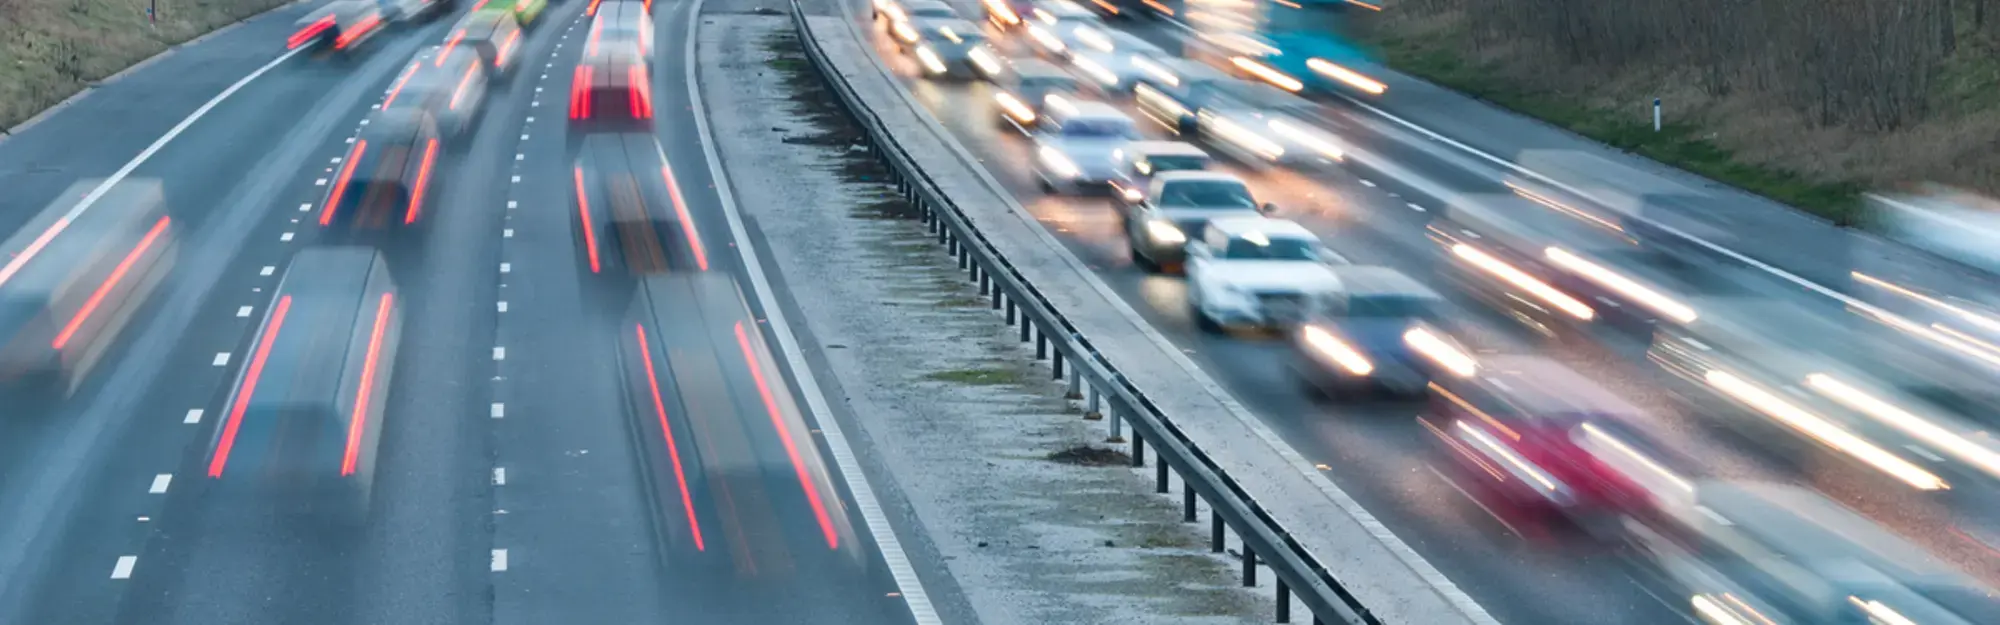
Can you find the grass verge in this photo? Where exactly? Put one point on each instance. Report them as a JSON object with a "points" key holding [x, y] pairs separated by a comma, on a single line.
{"points": [[51, 49]]}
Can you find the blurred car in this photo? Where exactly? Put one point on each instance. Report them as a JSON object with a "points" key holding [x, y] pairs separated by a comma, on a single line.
{"points": [[1768, 553], [451, 90], [305, 413], [1506, 263], [72, 285], [620, 25], [627, 220], [1139, 161], [494, 35], [951, 48], [1256, 271], [1261, 125], [340, 26], [1180, 202], [1170, 91], [1054, 27], [1535, 440], [1074, 142], [1023, 90], [914, 10], [384, 178], [524, 12], [1109, 74], [416, 10], [1383, 332], [611, 92]]}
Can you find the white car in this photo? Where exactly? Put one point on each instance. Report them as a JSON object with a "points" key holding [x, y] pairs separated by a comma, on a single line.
{"points": [[1257, 271], [1177, 204], [1075, 141]]}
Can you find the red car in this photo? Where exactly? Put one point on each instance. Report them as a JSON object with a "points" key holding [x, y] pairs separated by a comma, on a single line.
{"points": [[1531, 438]]}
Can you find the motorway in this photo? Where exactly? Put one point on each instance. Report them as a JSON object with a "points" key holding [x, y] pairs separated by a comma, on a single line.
{"points": [[523, 477], [1374, 210]]}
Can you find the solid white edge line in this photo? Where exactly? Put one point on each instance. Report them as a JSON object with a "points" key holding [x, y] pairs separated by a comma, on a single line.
{"points": [[886, 542], [90, 199], [1402, 551]]}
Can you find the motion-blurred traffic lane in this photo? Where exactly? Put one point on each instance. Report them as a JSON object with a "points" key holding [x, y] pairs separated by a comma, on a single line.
{"points": [[1381, 223]]}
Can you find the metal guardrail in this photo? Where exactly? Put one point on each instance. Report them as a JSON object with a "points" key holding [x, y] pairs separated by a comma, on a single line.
{"points": [[1106, 391]]}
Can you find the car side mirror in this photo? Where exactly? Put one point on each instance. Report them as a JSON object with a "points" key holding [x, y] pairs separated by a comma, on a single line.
{"points": [[1268, 208]]}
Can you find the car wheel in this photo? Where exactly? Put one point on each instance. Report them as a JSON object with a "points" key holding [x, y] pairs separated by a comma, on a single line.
{"points": [[1140, 259], [1204, 322]]}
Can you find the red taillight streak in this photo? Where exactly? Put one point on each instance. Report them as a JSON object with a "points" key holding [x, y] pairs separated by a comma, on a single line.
{"points": [[649, 7], [687, 222], [589, 230], [785, 435], [340, 183], [398, 89], [97, 297], [500, 60], [596, 27], [34, 248], [673, 451], [642, 92], [359, 29], [250, 376], [579, 94], [480, 5], [423, 177], [448, 45], [459, 93], [593, 7], [358, 422], [309, 32]]}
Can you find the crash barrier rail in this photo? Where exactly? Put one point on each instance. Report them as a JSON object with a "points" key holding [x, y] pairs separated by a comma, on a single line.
{"points": [[1092, 378]]}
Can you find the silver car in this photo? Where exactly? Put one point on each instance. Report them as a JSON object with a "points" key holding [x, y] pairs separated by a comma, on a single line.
{"points": [[1076, 143]]}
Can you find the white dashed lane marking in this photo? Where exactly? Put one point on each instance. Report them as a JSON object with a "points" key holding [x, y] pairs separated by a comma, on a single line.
{"points": [[506, 267], [319, 183], [499, 476], [499, 410], [499, 353], [123, 569], [499, 560], [1368, 183], [517, 179], [1413, 206], [193, 416], [508, 233], [502, 306], [243, 311], [267, 270], [511, 204], [160, 483], [285, 237], [305, 208], [221, 359]]}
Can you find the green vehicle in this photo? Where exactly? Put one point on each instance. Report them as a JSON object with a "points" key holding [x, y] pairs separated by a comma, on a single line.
{"points": [[525, 11]]}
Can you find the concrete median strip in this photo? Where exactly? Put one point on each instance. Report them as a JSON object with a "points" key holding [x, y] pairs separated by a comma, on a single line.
{"points": [[1364, 556]]}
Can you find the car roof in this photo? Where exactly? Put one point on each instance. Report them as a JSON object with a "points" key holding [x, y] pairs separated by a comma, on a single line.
{"points": [[611, 60], [1064, 9], [1367, 280], [1092, 109], [1239, 225], [1125, 40], [621, 9], [398, 124], [1197, 175], [1030, 67], [958, 25], [1165, 148], [482, 23], [912, 5]]}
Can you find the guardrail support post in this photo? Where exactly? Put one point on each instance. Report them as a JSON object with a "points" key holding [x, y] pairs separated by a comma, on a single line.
{"points": [[1117, 424], [1187, 501], [1041, 345], [1026, 327], [1138, 450], [1010, 311], [1056, 365], [1249, 566], [985, 283], [1160, 477], [1284, 602], [1095, 404], [964, 254], [1075, 385], [1215, 527]]}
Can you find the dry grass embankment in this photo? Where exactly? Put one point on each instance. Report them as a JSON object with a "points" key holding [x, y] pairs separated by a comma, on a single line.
{"points": [[51, 49], [1808, 102]]}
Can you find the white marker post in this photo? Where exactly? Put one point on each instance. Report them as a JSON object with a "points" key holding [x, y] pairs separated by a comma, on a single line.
{"points": [[1656, 114]]}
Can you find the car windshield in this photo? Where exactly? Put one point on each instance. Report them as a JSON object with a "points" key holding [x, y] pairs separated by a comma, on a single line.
{"points": [[1100, 128], [1259, 247], [1220, 194], [1177, 163], [1394, 306], [933, 11], [1046, 83]]}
